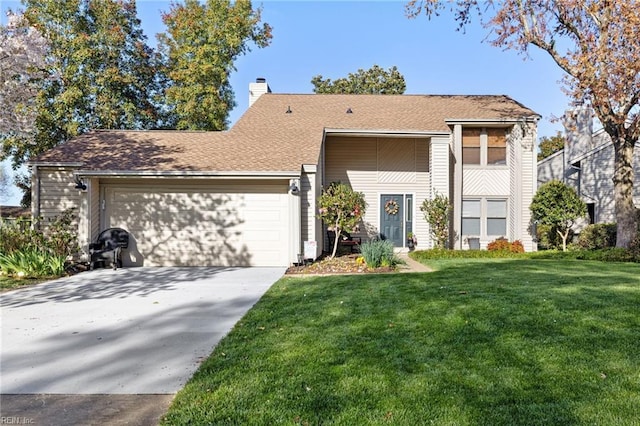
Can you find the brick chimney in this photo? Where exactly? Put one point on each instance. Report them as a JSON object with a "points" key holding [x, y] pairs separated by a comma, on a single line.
{"points": [[257, 89], [578, 125]]}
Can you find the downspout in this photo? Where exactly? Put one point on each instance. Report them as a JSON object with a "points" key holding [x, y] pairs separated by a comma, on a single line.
{"points": [[295, 227], [457, 191], [35, 196]]}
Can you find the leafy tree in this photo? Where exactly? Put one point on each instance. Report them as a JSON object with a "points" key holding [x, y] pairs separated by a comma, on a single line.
{"points": [[596, 44], [341, 209], [201, 44], [23, 183], [99, 73], [557, 205], [375, 80], [436, 212], [550, 145]]}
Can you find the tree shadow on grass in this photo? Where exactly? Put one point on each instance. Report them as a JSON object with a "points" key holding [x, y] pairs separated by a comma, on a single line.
{"points": [[512, 342]]}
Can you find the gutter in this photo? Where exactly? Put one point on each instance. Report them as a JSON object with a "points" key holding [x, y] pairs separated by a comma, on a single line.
{"points": [[404, 133], [529, 119], [190, 174], [54, 164]]}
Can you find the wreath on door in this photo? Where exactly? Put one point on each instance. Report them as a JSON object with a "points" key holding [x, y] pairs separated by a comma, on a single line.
{"points": [[391, 207]]}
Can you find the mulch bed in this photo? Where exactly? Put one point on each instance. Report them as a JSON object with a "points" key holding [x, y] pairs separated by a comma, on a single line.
{"points": [[345, 264]]}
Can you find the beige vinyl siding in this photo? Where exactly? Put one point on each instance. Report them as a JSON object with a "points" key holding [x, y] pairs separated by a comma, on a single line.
{"points": [[217, 223], [57, 192], [528, 186], [441, 176], [397, 161], [357, 161], [308, 200], [514, 184], [479, 182], [307, 207], [440, 166]]}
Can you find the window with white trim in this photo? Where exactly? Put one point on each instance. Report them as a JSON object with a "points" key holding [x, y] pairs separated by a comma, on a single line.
{"points": [[484, 146], [484, 217], [497, 218], [496, 147], [471, 217]]}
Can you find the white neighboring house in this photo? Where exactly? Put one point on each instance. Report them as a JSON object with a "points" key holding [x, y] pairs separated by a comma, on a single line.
{"points": [[248, 196], [587, 164]]}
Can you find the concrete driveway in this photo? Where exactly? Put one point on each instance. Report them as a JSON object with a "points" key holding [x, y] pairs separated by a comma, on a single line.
{"points": [[130, 331]]}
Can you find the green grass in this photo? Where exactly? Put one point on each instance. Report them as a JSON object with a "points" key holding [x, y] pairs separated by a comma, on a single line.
{"points": [[478, 342], [10, 283]]}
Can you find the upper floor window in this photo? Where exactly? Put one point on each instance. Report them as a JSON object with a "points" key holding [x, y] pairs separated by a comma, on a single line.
{"points": [[496, 147], [471, 146], [484, 146]]}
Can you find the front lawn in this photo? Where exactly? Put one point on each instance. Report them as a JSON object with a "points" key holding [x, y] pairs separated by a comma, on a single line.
{"points": [[478, 342]]}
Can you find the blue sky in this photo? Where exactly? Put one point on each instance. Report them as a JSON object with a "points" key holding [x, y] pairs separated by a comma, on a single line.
{"points": [[334, 38]]}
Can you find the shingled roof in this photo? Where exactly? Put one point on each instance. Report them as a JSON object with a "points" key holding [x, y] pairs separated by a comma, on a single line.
{"points": [[280, 132]]}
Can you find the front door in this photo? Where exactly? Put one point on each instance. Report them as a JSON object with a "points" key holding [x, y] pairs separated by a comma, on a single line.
{"points": [[391, 218]]}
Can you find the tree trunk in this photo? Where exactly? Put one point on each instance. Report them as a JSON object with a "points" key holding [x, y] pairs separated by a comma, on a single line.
{"points": [[564, 238], [337, 232], [623, 192]]}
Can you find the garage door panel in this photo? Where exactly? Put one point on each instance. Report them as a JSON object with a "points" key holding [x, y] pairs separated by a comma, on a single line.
{"points": [[195, 226]]}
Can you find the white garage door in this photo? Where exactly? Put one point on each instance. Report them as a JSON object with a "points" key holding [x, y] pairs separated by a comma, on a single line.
{"points": [[227, 225]]}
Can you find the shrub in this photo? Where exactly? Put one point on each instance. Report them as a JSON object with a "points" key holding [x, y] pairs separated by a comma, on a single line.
{"points": [[436, 213], [62, 234], [597, 236], [18, 235], [378, 253], [502, 244], [516, 247], [437, 254], [27, 252], [32, 263], [499, 244], [610, 254]]}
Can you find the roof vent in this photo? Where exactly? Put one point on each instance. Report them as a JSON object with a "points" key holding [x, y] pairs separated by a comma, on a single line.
{"points": [[288, 111], [349, 110], [261, 80]]}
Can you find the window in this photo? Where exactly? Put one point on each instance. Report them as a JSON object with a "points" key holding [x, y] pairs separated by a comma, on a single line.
{"points": [[470, 217], [484, 218], [497, 218], [496, 147], [591, 212], [471, 146], [484, 146]]}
